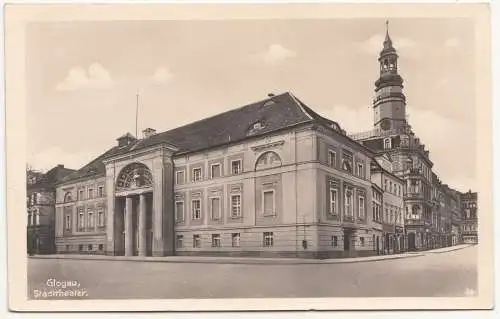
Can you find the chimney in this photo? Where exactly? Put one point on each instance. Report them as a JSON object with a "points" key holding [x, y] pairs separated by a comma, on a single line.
{"points": [[148, 132], [270, 95], [60, 165]]}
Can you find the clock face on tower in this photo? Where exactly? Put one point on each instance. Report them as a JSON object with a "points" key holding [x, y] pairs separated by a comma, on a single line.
{"points": [[385, 125]]}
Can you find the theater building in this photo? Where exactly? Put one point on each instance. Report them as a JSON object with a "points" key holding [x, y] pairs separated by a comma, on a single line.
{"points": [[280, 180]]}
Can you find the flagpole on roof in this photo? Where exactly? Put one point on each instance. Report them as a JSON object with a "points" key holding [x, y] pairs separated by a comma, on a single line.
{"points": [[136, 112]]}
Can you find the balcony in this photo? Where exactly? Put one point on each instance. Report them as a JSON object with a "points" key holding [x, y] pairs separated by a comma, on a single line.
{"points": [[414, 195], [377, 133], [415, 222]]}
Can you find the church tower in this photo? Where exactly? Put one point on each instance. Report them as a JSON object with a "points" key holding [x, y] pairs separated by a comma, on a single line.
{"points": [[389, 105]]}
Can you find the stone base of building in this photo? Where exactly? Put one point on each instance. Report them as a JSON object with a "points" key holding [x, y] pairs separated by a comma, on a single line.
{"points": [[281, 254]]}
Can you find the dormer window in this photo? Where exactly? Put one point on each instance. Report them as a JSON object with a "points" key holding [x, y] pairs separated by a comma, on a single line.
{"points": [[258, 126], [387, 143], [269, 103]]}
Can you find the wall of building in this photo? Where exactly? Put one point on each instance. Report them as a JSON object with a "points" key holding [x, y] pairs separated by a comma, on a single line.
{"points": [[81, 213]]}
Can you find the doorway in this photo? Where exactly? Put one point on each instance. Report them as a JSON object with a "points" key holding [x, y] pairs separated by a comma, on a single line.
{"points": [[411, 241]]}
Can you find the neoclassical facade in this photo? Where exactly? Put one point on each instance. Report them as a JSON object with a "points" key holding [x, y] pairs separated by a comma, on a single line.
{"points": [[280, 181]]}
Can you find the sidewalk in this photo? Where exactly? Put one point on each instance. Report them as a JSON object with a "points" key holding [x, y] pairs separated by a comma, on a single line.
{"points": [[249, 260]]}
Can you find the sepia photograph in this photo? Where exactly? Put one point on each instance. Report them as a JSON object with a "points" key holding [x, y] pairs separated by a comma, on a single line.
{"points": [[219, 153]]}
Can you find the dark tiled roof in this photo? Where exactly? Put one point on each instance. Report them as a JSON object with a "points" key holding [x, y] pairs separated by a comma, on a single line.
{"points": [[274, 113], [51, 177], [94, 168]]}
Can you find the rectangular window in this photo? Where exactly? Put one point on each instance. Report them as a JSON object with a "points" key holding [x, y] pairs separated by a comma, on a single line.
{"points": [[268, 239], [361, 170], [100, 191], [101, 247], [179, 241], [332, 159], [91, 193], [67, 248], [348, 202], [236, 167], [100, 218], [81, 219], [80, 195], [235, 206], [80, 247], [215, 171], [333, 201], [361, 207], [268, 203], [215, 208], [196, 174], [362, 241], [196, 241], [179, 177], [334, 241], [89, 247], [235, 239], [216, 240], [68, 222], [90, 221], [179, 211], [196, 209]]}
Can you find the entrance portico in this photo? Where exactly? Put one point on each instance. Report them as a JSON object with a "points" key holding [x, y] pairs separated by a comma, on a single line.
{"points": [[139, 214], [133, 200], [133, 224]]}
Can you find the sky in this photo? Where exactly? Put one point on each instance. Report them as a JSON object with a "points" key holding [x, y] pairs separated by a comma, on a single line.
{"points": [[83, 78]]}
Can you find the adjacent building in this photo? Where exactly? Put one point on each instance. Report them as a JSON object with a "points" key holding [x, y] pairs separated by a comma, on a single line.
{"points": [[40, 201], [393, 137], [468, 202], [392, 219]]}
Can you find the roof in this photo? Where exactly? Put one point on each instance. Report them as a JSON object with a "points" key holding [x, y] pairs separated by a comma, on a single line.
{"points": [[376, 167], [50, 178], [272, 114]]}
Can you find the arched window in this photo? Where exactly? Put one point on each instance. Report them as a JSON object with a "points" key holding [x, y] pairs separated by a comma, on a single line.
{"points": [[268, 160], [135, 175], [68, 197]]}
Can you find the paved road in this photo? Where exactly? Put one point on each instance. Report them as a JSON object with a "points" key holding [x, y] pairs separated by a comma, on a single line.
{"points": [[441, 275]]}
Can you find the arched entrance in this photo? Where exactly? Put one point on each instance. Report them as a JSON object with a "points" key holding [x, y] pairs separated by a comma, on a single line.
{"points": [[411, 241], [133, 211]]}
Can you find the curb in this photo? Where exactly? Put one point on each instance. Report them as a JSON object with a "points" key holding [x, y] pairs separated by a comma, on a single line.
{"points": [[249, 261], [241, 262]]}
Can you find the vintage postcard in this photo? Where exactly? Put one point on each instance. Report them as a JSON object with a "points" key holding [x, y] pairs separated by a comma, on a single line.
{"points": [[249, 157]]}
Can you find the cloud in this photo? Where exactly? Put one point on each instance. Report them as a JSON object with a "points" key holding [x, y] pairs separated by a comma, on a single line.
{"points": [[445, 139], [351, 119], [161, 75], [95, 77], [275, 54], [374, 44], [452, 42], [52, 156]]}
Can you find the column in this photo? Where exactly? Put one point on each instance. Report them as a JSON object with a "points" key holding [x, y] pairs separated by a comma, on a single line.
{"points": [[129, 230], [142, 225]]}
